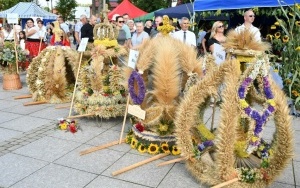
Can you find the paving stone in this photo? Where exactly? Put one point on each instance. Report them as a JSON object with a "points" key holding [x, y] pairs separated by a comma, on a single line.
{"points": [[281, 185], [5, 116], [25, 123], [4, 104], [56, 176], [14, 147], [25, 110], [148, 175], [108, 182], [107, 137], [47, 148], [179, 177], [87, 133], [7, 95], [95, 162], [49, 113], [2, 148], [3, 143], [24, 143], [8, 134], [287, 175], [15, 167]]}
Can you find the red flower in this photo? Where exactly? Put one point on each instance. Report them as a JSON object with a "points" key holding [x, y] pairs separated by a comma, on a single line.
{"points": [[72, 128], [140, 127]]}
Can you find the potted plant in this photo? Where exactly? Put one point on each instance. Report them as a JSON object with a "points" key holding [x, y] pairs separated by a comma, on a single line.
{"points": [[9, 63]]}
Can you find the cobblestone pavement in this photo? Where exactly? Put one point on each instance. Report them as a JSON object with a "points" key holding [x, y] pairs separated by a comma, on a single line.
{"points": [[33, 154]]}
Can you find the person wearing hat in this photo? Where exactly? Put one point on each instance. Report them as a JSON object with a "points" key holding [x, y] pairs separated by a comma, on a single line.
{"points": [[148, 26]]}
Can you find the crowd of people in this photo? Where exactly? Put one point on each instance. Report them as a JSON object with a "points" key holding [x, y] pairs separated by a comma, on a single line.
{"points": [[132, 34]]}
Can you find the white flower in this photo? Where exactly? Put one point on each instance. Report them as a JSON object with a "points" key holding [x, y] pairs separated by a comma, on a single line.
{"points": [[44, 60], [40, 69], [38, 82]]}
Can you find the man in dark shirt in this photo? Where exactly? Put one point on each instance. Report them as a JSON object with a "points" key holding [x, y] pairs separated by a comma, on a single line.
{"points": [[148, 26], [87, 29]]}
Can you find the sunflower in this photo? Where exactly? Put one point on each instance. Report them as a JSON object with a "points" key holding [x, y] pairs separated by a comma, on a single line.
{"points": [[165, 148], [142, 148], [285, 39], [270, 37], [298, 48], [297, 23], [153, 149], [291, 14], [175, 150], [273, 26], [277, 24], [133, 143], [163, 127], [277, 35]]}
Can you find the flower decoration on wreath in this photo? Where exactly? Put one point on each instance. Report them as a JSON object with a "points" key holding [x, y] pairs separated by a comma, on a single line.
{"points": [[136, 98], [68, 125]]}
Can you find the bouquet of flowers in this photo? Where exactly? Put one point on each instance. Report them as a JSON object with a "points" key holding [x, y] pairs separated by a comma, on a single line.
{"points": [[286, 47], [8, 57]]}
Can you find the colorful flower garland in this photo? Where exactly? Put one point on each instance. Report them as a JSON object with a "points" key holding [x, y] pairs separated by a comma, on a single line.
{"points": [[68, 125], [137, 99], [260, 120]]}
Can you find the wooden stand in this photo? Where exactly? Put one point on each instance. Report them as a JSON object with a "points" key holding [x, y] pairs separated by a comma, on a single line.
{"points": [[226, 183], [34, 103], [101, 147], [124, 120], [171, 161], [62, 106], [79, 116], [23, 97], [139, 164]]}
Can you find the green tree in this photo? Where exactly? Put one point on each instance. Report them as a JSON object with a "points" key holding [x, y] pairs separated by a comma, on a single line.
{"points": [[66, 8], [6, 4]]}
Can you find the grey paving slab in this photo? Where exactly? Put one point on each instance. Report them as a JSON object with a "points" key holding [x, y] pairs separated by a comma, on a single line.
{"points": [[281, 185], [107, 137], [15, 167], [4, 104], [25, 123], [47, 148], [100, 122], [25, 110], [5, 116], [7, 95], [50, 113], [148, 175], [82, 136], [287, 175], [95, 162], [7, 134], [108, 182], [56, 176]]}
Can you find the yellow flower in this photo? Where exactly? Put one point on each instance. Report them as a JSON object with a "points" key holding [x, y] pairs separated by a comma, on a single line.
{"points": [[271, 102], [254, 139], [270, 37], [295, 93], [261, 147], [63, 126], [163, 127], [153, 149], [277, 23], [128, 139], [285, 39], [133, 143], [277, 35], [273, 26], [298, 48], [165, 148], [243, 103], [271, 152], [288, 81], [291, 14], [205, 132], [175, 150], [142, 148], [239, 148], [275, 70], [297, 23]]}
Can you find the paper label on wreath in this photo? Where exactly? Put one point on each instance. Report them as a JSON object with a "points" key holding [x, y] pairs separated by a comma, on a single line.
{"points": [[133, 56], [136, 111], [219, 54], [12, 18], [83, 44]]}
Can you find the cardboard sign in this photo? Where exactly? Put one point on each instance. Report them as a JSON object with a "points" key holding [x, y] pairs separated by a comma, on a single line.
{"points": [[136, 111], [219, 54], [83, 44], [132, 60], [12, 18]]}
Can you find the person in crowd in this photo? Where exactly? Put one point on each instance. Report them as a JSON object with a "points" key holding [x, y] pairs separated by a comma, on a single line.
{"points": [[130, 24], [249, 17], [205, 40], [122, 39], [154, 30], [1, 35], [32, 38], [184, 34], [22, 39], [77, 30], [59, 37], [139, 36], [63, 25], [113, 19], [49, 35], [216, 36], [87, 29], [126, 18], [148, 26], [42, 29], [8, 33]]}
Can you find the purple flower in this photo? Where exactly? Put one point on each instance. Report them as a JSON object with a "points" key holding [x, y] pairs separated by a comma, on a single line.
{"points": [[248, 80], [201, 147], [265, 115], [248, 110], [137, 99], [241, 92], [268, 93], [271, 108], [266, 81], [255, 115], [208, 143]]}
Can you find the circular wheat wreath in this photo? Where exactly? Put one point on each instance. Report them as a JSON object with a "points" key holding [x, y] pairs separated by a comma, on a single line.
{"points": [[223, 169], [136, 98]]}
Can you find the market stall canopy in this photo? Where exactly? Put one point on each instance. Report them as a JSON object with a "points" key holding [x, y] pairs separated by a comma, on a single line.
{"points": [[206, 5], [28, 10], [149, 16], [184, 10], [127, 7]]}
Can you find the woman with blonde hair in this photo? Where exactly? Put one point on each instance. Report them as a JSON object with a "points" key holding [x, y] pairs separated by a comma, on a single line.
{"points": [[216, 36]]}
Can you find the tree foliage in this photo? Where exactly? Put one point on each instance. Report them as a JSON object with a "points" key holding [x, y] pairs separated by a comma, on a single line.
{"points": [[6, 4], [66, 8]]}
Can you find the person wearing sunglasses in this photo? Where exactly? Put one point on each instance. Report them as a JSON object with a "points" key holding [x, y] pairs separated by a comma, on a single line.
{"points": [[124, 37], [249, 17], [217, 35]]}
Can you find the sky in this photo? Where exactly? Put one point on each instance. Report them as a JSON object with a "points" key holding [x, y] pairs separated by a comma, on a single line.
{"points": [[43, 3]]}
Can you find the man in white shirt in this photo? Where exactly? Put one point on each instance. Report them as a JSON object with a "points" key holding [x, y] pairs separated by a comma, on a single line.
{"points": [[184, 34], [77, 30], [63, 25], [248, 20]]}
